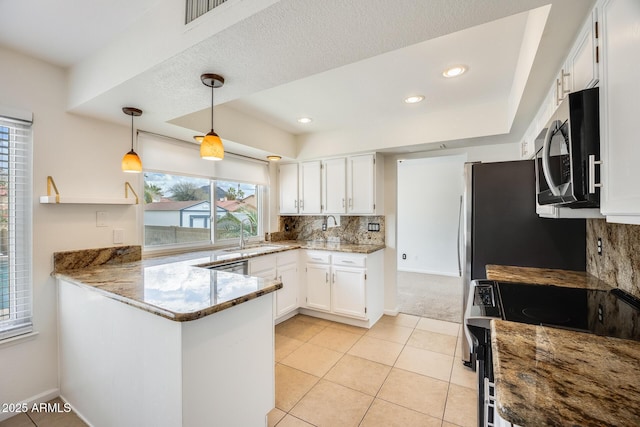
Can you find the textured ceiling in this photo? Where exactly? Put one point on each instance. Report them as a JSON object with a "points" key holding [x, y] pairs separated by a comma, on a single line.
{"points": [[293, 57]]}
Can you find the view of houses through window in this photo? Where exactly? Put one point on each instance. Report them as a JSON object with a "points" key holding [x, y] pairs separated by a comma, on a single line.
{"points": [[178, 210]]}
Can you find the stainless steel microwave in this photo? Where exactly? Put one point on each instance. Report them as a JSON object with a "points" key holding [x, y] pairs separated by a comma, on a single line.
{"points": [[567, 152]]}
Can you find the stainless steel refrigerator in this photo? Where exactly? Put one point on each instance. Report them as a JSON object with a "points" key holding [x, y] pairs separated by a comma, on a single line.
{"points": [[499, 225]]}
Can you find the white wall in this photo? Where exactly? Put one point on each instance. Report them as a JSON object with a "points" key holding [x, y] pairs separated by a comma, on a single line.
{"points": [[429, 202], [83, 156]]}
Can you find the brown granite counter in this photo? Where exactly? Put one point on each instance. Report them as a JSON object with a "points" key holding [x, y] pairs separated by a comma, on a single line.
{"points": [[320, 245], [544, 276], [555, 377], [175, 287]]}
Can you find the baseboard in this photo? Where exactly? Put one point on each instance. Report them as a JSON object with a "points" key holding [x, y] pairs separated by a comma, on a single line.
{"points": [[393, 312], [38, 398], [78, 413]]}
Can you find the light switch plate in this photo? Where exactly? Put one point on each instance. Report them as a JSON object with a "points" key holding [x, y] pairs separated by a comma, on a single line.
{"points": [[118, 236], [101, 219]]}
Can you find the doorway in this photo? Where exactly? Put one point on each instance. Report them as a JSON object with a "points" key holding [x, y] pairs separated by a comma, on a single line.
{"points": [[429, 192]]}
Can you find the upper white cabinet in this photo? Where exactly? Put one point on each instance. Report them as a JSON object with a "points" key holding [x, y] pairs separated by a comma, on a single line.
{"points": [[619, 109], [582, 64], [334, 188], [361, 184], [346, 185], [580, 70], [310, 187], [288, 179]]}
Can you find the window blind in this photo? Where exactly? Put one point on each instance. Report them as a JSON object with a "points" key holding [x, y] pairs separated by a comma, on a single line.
{"points": [[15, 227], [183, 158]]}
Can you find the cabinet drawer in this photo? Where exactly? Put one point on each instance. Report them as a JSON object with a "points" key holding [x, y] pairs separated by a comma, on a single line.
{"points": [[350, 260], [287, 257], [318, 257], [261, 263]]}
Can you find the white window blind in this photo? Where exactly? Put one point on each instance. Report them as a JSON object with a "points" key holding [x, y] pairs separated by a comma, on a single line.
{"points": [[15, 227], [183, 158]]}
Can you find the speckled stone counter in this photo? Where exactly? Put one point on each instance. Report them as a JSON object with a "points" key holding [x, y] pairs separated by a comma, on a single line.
{"points": [[554, 377], [356, 248], [176, 287], [544, 276]]}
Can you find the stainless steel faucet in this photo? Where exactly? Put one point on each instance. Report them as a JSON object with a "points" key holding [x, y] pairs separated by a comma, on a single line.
{"points": [[335, 222], [243, 242]]}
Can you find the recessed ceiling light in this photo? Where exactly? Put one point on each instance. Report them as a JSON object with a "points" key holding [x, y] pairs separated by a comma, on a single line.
{"points": [[454, 71], [274, 158], [413, 99], [305, 120]]}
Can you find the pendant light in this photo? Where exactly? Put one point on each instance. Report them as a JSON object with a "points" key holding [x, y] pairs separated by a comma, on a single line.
{"points": [[131, 161], [211, 147]]}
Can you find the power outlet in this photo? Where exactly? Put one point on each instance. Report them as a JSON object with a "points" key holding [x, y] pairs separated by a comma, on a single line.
{"points": [[324, 226], [118, 236], [373, 226], [404, 256], [599, 246]]}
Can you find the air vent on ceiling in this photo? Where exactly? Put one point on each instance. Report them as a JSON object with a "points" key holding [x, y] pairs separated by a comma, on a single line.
{"points": [[196, 8]]}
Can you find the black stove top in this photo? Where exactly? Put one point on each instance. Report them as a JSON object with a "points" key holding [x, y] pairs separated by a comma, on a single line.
{"points": [[604, 312]]}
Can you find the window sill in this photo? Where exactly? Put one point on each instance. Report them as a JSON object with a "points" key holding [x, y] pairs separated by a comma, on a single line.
{"points": [[18, 339]]}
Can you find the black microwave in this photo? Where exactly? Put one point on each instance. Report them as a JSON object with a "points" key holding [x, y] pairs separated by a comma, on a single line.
{"points": [[567, 152]]}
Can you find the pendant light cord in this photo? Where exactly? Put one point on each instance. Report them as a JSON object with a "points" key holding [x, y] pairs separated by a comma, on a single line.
{"points": [[131, 132], [212, 84]]}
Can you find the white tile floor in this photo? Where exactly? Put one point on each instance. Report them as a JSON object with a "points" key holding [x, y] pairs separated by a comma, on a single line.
{"points": [[405, 371]]}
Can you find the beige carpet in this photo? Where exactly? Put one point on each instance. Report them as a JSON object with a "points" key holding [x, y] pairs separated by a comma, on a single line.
{"points": [[427, 295]]}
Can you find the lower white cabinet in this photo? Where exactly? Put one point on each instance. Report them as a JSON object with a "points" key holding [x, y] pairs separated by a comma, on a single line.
{"points": [[348, 295], [282, 266], [344, 284]]}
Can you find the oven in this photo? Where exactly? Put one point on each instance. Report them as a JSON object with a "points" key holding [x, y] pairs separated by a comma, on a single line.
{"points": [[607, 312]]}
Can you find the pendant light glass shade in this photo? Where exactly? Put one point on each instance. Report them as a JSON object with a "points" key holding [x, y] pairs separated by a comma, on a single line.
{"points": [[211, 147], [131, 162]]}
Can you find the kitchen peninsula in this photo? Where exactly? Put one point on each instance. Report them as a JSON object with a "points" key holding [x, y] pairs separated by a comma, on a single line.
{"points": [[164, 341]]}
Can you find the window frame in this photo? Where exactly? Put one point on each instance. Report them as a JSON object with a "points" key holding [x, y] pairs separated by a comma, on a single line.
{"points": [[19, 228], [214, 242]]}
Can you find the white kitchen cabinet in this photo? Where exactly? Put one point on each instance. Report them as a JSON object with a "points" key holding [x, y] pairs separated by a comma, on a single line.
{"points": [[345, 287], [287, 297], [619, 107], [362, 188], [582, 64], [282, 266], [310, 201], [263, 267], [580, 71], [334, 179], [288, 180], [317, 275], [348, 295]]}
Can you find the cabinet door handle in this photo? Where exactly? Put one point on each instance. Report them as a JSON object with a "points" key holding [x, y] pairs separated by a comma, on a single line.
{"points": [[592, 174], [334, 277], [350, 202], [558, 89], [326, 278], [346, 261], [295, 204], [343, 202], [301, 203], [563, 76]]}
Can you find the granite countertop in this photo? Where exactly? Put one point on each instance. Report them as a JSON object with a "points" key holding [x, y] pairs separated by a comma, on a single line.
{"points": [[175, 287], [550, 377], [544, 276], [178, 287], [357, 248]]}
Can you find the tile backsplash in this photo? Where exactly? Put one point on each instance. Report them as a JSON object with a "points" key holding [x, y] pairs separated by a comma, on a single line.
{"points": [[352, 229], [619, 264]]}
